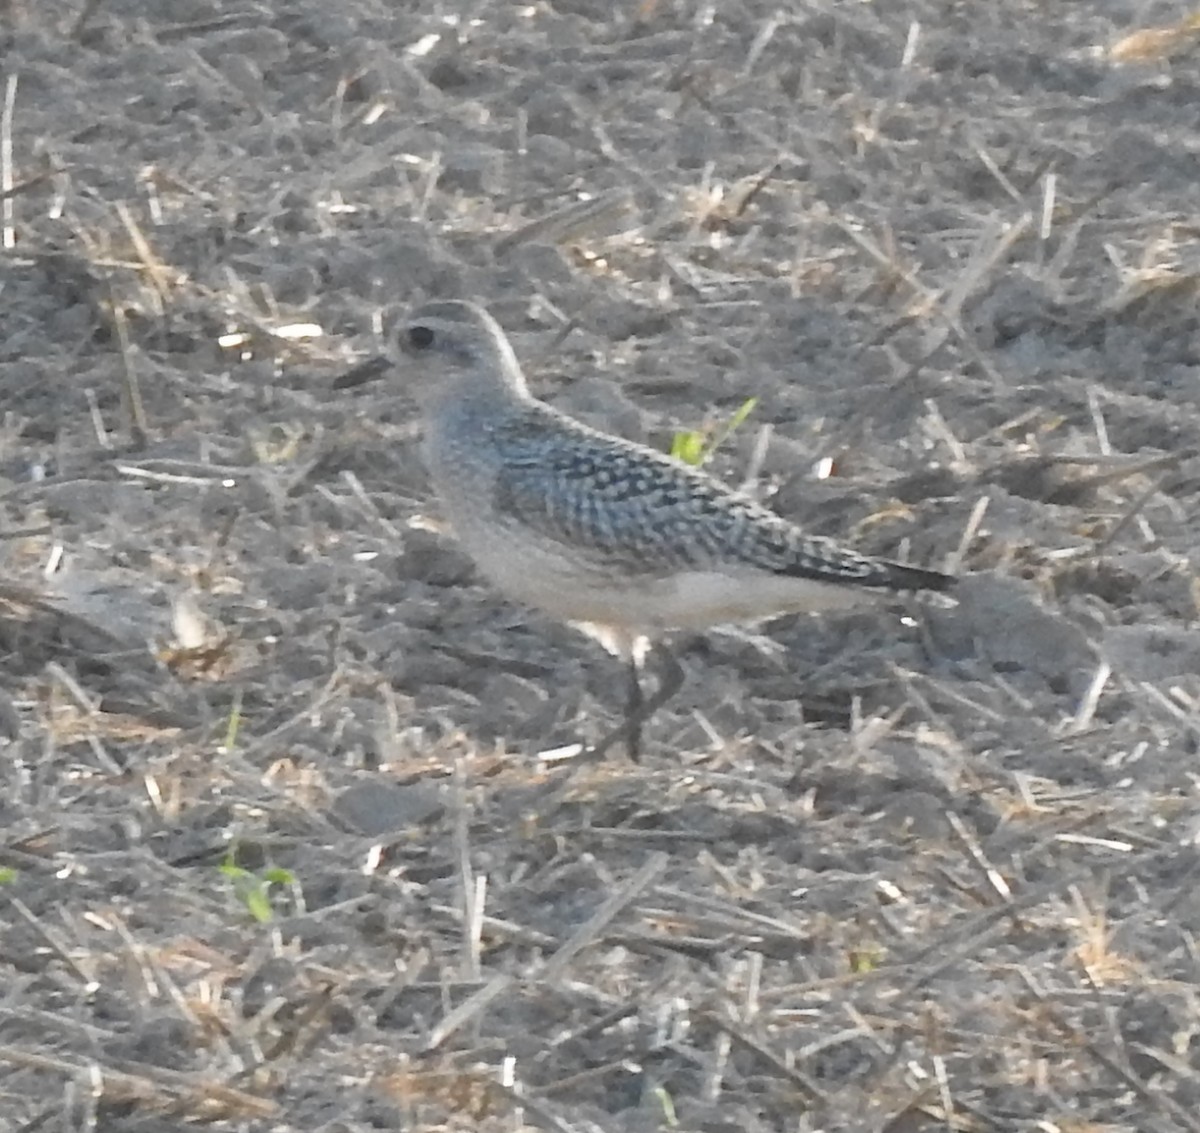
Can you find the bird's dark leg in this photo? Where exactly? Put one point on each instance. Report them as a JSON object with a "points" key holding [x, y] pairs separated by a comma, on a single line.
{"points": [[635, 708], [639, 709], [670, 680]]}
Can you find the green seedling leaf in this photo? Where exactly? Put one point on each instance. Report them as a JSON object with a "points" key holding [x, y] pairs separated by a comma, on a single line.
{"points": [[863, 961], [688, 447], [235, 721], [258, 902], [696, 446], [668, 1106], [229, 864], [744, 410], [253, 889]]}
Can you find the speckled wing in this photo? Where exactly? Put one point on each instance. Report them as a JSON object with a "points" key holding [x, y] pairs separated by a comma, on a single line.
{"points": [[624, 507]]}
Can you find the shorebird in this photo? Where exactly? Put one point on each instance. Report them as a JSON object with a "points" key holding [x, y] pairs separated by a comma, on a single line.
{"points": [[616, 538]]}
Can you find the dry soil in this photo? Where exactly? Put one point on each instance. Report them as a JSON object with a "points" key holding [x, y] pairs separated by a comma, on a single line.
{"points": [[279, 846]]}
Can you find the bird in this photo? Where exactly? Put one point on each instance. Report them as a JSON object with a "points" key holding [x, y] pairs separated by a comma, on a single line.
{"points": [[620, 540]]}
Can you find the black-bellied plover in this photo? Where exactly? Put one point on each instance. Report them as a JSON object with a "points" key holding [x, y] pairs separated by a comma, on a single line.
{"points": [[618, 539]]}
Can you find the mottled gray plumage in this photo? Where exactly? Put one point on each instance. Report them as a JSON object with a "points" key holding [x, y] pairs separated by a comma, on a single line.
{"points": [[612, 536], [641, 513]]}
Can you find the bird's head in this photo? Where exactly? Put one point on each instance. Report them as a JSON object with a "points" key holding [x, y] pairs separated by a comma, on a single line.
{"points": [[449, 345]]}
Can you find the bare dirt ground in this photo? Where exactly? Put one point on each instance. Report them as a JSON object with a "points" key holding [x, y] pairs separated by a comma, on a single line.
{"points": [[277, 851]]}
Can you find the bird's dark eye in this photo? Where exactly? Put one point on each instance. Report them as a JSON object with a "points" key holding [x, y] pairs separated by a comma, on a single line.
{"points": [[420, 338]]}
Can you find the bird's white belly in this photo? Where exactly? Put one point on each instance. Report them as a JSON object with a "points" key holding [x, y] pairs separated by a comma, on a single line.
{"points": [[650, 605]]}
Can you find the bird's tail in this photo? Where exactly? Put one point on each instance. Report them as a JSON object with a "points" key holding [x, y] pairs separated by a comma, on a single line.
{"points": [[901, 576]]}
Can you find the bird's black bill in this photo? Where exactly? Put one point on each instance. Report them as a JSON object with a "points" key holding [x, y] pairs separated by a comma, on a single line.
{"points": [[364, 372]]}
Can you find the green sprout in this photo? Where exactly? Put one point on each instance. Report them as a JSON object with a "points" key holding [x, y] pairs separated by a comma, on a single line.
{"points": [[234, 724], [696, 446], [660, 1095], [866, 959], [254, 889]]}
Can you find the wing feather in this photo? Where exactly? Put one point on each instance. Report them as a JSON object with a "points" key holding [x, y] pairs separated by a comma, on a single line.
{"points": [[625, 507]]}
